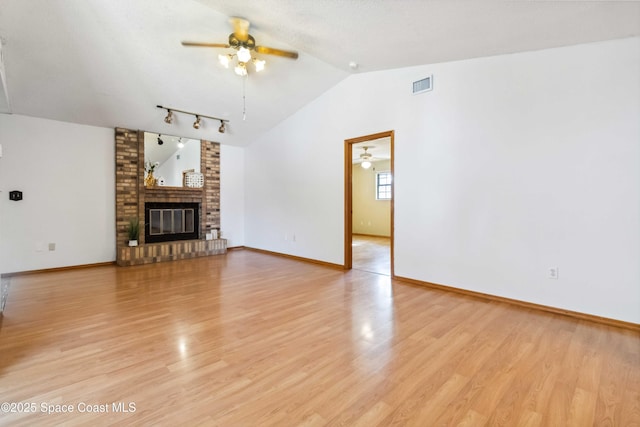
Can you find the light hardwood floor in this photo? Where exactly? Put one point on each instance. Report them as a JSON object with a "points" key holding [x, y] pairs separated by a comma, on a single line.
{"points": [[372, 254], [250, 339]]}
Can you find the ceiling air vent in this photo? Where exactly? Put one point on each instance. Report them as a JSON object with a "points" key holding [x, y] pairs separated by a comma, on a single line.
{"points": [[424, 85]]}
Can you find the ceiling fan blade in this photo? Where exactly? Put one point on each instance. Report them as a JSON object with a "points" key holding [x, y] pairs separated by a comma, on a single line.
{"points": [[277, 52], [240, 28], [199, 44]]}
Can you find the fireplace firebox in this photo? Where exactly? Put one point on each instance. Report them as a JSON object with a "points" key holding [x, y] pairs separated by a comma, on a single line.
{"points": [[164, 222]]}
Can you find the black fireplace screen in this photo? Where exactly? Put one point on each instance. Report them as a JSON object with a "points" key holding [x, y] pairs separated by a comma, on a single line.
{"points": [[171, 221]]}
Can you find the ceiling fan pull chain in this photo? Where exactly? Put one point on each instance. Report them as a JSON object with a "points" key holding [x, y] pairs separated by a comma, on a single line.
{"points": [[244, 101]]}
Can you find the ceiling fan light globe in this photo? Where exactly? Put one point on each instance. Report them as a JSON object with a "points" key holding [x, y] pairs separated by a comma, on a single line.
{"points": [[224, 60], [366, 164], [259, 64], [244, 55], [241, 69]]}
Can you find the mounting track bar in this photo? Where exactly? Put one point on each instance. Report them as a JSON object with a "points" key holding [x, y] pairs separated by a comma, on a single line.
{"points": [[193, 114]]}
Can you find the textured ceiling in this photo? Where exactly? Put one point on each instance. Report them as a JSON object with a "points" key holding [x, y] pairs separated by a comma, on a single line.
{"points": [[109, 63], [381, 34]]}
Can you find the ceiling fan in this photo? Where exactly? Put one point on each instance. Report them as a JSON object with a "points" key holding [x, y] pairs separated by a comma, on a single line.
{"points": [[365, 157], [243, 43]]}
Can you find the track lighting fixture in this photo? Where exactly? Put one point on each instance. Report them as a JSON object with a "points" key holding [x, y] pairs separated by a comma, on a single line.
{"points": [[169, 117], [196, 125], [180, 143], [160, 141]]}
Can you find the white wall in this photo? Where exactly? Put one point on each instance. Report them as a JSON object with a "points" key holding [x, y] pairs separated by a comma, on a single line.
{"points": [[232, 194], [66, 173], [511, 165]]}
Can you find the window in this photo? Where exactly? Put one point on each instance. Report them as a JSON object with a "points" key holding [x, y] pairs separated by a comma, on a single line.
{"points": [[383, 185]]}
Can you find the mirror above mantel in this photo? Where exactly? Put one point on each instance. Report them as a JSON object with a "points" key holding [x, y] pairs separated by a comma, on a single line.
{"points": [[173, 155]]}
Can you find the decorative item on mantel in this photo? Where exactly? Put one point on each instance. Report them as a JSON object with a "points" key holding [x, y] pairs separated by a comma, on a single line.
{"points": [[194, 179], [133, 231], [149, 179]]}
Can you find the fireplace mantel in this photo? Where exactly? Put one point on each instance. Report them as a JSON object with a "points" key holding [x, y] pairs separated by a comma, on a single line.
{"points": [[162, 190], [131, 196]]}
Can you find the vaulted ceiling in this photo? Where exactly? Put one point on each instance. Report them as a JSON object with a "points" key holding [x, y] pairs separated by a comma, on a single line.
{"points": [[109, 63]]}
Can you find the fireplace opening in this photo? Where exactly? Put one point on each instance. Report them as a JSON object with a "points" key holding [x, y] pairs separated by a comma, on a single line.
{"points": [[166, 222]]}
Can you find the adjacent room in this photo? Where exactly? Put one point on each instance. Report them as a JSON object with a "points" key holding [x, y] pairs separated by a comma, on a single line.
{"points": [[371, 182], [282, 213]]}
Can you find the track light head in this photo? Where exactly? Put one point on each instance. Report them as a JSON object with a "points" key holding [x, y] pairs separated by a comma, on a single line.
{"points": [[160, 141], [221, 129], [169, 117], [196, 124]]}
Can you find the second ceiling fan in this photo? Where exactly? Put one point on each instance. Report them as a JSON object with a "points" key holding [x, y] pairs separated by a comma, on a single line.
{"points": [[244, 43], [366, 158]]}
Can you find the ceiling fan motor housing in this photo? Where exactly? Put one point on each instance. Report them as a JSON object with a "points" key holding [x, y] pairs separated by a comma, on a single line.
{"points": [[366, 155], [236, 43]]}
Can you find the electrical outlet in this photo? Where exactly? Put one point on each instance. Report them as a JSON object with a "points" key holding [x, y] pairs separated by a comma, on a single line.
{"points": [[52, 246], [553, 273]]}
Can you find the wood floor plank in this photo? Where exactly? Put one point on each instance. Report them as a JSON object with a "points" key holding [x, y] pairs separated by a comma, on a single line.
{"points": [[254, 339], [530, 419], [582, 408], [371, 253]]}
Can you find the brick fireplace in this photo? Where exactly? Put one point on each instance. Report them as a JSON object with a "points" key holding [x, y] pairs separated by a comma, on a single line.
{"points": [[132, 196]]}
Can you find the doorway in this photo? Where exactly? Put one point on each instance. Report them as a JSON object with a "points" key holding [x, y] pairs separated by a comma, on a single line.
{"points": [[372, 252]]}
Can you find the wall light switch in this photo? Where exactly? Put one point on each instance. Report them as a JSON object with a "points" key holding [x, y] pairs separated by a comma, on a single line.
{"points": [[52, 246]]}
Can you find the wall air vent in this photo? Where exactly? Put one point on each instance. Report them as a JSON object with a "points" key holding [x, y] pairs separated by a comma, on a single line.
{"points": [[424, 85]]}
